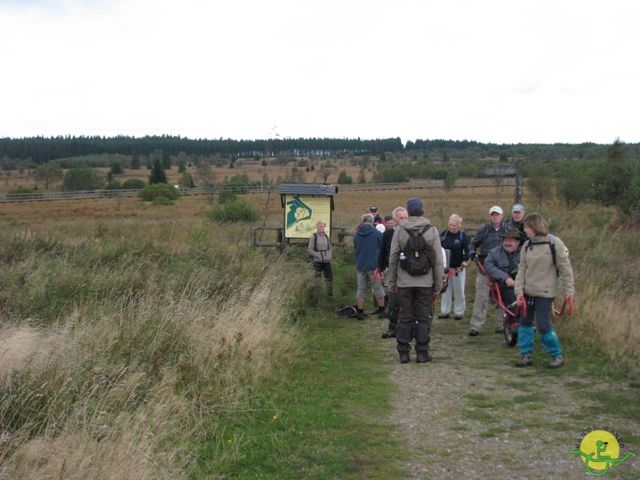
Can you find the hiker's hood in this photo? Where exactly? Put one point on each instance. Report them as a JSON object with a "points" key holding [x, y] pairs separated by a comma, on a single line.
{"points": [[415, 223], [366, 229]]}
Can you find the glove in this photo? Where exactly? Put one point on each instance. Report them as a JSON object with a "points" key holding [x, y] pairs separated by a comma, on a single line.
{"points": [[569, 300]]}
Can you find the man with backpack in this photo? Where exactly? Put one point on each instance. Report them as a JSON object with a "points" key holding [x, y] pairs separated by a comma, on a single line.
{"points": [[416, 273], [320, 249]]}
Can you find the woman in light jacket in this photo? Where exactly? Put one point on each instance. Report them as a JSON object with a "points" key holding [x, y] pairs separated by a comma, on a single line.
{"points": [[544, 260]]}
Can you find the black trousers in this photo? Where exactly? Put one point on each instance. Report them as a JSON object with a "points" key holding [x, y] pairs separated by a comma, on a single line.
{"points": [[508, 295], [393, 310], [416, 314], [323, 268]]}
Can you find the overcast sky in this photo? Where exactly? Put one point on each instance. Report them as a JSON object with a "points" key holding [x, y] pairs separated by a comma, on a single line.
{"points": [[504, 71]]}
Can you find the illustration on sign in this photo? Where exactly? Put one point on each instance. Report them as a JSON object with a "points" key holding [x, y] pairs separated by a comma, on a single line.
{"points": [[302, 213]]}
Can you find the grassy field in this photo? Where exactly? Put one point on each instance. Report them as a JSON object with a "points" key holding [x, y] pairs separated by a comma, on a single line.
{"points": [[147, 338], [10, 180]]}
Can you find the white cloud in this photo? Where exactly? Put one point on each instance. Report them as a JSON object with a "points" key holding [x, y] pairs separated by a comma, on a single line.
{"points": [[498, 70]]}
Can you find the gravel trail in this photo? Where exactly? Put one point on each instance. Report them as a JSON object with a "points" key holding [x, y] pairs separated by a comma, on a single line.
{"points": [[471, 414]]}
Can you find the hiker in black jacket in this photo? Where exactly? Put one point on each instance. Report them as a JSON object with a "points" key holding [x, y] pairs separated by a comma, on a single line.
{"points": [[488, 236], [456, 242]]}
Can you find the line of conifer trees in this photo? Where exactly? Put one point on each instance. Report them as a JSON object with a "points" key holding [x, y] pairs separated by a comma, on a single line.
{"points": [[43, 149]]}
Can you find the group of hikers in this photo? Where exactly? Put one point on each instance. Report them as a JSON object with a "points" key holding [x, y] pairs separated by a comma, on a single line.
{"points": [[406, 262]]}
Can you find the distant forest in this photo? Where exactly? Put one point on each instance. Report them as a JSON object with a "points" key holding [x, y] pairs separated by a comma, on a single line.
{"points": [[41, 150]]}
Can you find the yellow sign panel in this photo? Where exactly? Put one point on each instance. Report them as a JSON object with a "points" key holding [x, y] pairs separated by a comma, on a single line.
{"points": [[302, 212]]}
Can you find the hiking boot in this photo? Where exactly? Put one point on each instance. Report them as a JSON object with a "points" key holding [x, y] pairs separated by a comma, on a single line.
{"points": [[404, 358], [443, 316], [458, 317], [525, 361], [382, 313], [391, 333], [360, 315], [423, 357], [557, 362], [473, 332]]}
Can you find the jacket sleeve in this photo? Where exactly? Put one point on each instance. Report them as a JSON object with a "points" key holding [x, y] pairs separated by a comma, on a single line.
{"points": [[310, 248], [477, 239], [382, 261], [394, 256], [522, 270], [564, 268], [465, 247], [491, 266], [438, 268]]}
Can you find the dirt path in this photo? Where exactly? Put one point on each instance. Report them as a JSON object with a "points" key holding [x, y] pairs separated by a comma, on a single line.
{"points": [[471, 414]]}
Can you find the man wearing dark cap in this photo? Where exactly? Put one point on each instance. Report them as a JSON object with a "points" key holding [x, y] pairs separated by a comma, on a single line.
{"points": [[502, 262], [377, 219], [415, 291], [501, 265]]}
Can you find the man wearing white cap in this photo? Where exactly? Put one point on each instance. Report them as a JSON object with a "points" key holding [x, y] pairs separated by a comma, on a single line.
{"points": [[489, 236]]}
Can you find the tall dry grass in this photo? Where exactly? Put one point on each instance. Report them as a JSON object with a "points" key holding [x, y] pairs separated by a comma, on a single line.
{"points": [[122, 342], [127, 328], [606, 261]]}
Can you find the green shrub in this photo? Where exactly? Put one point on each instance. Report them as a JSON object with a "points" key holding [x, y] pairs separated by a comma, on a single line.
{"points": [[161, 201], [150, 192], [116, 168], [227, 196], [391, 174], [21, 191], [113, 185], [239, 210], [186, 180], [157, 174], [82, 178], [344, 178], [133, 184]]}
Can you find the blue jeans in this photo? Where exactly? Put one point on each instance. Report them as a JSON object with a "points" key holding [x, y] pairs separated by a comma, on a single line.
{"points": [[540, 308]]}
